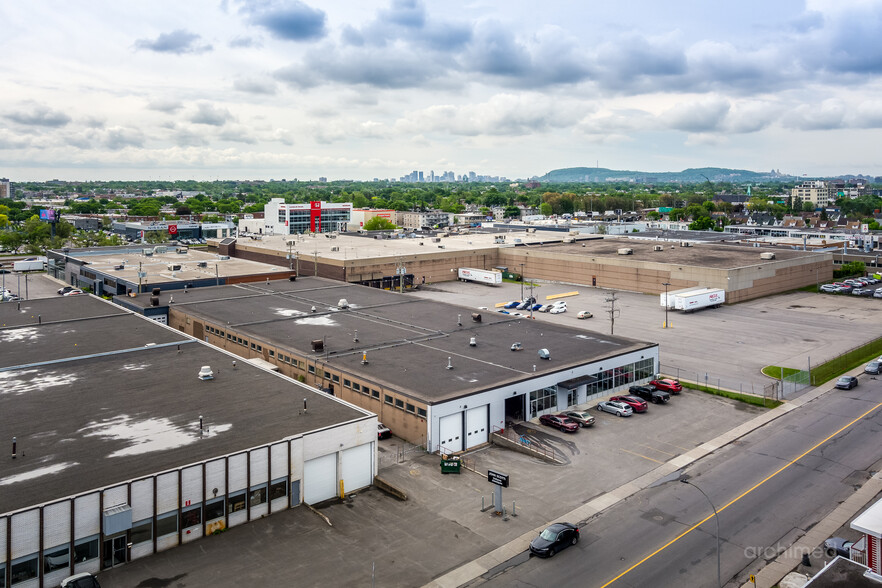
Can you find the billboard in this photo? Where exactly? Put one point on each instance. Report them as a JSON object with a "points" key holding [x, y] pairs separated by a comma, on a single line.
{"points": [[47, 214]]}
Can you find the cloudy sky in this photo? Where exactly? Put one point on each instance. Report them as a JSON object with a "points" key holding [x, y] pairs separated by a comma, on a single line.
{"points": [[261, 89]]}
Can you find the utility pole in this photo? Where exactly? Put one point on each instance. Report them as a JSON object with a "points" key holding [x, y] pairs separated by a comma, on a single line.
{"points": [[667, 302], [522, 281], [613, 311]]}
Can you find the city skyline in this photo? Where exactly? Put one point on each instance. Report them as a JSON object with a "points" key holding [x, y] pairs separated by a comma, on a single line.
{"points": [[271, 89]]}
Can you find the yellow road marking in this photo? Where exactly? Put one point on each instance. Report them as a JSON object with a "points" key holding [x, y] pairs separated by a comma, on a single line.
{"points": [[677, 446], [638, 455], [500, 304], [658, 450], [742, 495], [564, 295]]}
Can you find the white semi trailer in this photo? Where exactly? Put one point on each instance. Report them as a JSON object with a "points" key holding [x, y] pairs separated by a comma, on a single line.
{"points": [[468, 274], [696, 299]]}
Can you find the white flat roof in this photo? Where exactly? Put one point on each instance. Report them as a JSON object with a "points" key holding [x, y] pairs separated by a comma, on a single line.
{"points": [[869, 521]]}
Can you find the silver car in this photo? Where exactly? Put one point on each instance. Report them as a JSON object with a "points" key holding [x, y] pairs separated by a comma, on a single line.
{"points": [[617, 408], [874, 367]]}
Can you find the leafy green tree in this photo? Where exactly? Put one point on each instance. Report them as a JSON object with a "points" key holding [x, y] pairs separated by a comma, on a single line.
{"points": [[11, 240], [379, 223], [512, 211], [701, 224], [653, 215], [545, 209]]}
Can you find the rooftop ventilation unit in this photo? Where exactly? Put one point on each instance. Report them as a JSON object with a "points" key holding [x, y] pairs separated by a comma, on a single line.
{"points": [[148, 252], [343, 303], [625, 251], [767, 255], [658, 248], [685, 244], [202, 264], [335, 249], [544, 354], [318, 344], [205, 373], [223, 257], [473, 342], [476, 317], [174, 267]]}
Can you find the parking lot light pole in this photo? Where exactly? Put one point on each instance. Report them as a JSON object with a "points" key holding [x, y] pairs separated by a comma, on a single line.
{"points": [[522, 282], [717, 519], [666, 284]]}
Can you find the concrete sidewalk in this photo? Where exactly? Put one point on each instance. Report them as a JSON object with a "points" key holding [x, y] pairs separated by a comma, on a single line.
{"points": [[770, 574]]}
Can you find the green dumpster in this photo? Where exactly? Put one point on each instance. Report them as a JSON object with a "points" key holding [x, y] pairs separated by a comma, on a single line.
{"points": [[450, 465]]}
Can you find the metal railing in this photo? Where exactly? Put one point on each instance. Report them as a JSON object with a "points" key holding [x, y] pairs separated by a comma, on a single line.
{"points": [[510, 434]]}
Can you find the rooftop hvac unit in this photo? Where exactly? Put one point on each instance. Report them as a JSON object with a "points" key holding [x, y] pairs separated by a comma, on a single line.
{"points": [[174, 267], [626, 251], [685, 244], [155, 292], [202, 264], [148, 252], [223, 257], [658, 248], [318, 344], [335, 249], [343, 303], [205, 373], [436, 239], [767, 255], [154, 301], [544, 354], [476, 316]]}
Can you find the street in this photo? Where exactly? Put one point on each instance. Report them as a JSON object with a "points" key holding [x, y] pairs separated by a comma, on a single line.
{"points": [[768, 488]]}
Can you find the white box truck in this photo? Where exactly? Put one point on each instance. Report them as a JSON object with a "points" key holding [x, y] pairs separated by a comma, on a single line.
{"points": [[30, 264], [468, 274], [706, 298]]}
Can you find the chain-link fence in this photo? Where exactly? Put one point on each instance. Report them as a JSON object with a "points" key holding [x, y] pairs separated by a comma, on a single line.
{"points": [[715, 381]]}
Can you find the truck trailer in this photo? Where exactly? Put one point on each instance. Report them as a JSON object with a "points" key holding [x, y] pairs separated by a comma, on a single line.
{"points": [[30, 264], [468, 274], [705, 298]]}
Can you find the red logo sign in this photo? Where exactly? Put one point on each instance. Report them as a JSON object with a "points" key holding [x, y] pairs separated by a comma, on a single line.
{"points": [[173, 229]]}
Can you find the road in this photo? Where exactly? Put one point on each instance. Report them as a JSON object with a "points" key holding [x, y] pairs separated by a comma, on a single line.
{"points": [[768, 487]]}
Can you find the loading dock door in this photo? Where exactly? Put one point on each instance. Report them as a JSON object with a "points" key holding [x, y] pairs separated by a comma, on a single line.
{"points": [[451, 432], [320, 479], [357, 468], [476, 426]]}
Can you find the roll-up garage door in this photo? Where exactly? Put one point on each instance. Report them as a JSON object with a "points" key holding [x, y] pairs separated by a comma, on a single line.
{"points": [[357, 467], [320, 479], [451, 432], [476, 426]]}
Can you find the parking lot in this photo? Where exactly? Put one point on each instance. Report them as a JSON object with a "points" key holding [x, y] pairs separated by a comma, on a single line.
{"points": [[730, 344]]}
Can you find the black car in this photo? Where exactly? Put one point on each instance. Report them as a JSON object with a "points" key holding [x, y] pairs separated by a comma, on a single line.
{"points": [[837, 546], [650, 393], [846, 382], [556, 537]]}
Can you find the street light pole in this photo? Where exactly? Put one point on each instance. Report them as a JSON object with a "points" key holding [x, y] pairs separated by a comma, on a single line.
{"points": [[522, 281], [666, 284], [717, 519]]}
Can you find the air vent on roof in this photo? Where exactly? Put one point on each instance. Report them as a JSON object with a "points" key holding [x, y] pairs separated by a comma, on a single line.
{"points": [[767, 255], [155, 291], [154, 301], [205, 373], [685, 244], [202, 264], [318, 344], [658, 248], [476, 316], [544, 354], [223, 257], [625, 251]]}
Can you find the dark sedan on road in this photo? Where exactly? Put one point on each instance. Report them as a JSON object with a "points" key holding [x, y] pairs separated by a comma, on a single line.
{"points": [[556, 537], [846, 382], [636, 404], [559, 422]]}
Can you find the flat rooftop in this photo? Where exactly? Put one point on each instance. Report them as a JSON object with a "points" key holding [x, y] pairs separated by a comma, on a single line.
{"points": [[408, 341], [96, 395], [134, 259], [721, 255]]}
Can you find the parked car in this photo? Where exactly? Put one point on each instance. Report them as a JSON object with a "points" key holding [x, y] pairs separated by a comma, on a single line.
{"points": [[512, 304], [559, 422], [617, 408], [846, 382], [829, 288], [668, 385], [837, 546], [580, 416], [65, 289], [874, 367], [877, 294], [558, 309], [523, 305], [651, 393], [636, 404], [383, 431], [536, 307], [556, 537], [83, 580], [584, 314], [73, 292], [545, 308]]}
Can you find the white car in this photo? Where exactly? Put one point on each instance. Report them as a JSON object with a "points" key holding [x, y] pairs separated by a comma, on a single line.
{"points": [[617, 408], [584, 314], [558, 309], [73, 292]]}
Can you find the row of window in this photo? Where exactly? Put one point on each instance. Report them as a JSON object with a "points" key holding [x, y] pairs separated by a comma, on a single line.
{"points": [[214, 331], [27, 568]]}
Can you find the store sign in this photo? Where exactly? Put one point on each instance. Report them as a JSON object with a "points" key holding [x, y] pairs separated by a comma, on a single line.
{"points": [[497, 478], [173, 229]]}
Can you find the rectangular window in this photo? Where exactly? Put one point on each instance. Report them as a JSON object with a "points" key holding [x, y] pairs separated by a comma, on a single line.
{"points": [[356, 386], [142, 531], [25, 568], [347, 383], [272, 353], [278, 489], [259, 348], [221, 334], [55, 558], [258, 495], [166, 524], [191, 516], [421, 412], [366, 391], [312, 369], [237, 501], [214, 509], [410, 407], [253, 346], [387, 399], [375, 394], [86, 549], [335, 378], [399, 403]]}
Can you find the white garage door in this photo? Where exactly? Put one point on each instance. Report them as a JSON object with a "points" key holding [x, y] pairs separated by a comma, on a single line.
{"points": [[476, 426], [451, 433], [320, 479], [357, 467]]}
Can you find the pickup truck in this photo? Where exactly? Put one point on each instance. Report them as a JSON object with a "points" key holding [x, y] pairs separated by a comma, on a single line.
{"points": [[650, 393]]}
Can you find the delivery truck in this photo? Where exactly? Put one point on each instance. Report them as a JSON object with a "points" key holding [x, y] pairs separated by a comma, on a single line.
{"points": [[31, 264], [468, 274], [697, 299]]}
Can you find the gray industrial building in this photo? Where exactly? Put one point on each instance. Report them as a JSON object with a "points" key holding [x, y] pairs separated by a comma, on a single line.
{"points": [[125, 438]]}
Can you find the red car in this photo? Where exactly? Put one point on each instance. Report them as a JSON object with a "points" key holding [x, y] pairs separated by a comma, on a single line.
{"points": [[636, 404], [669, 385], [559, 422]]}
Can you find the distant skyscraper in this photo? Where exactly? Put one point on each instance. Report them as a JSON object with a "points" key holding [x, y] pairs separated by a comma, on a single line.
{"points": [[421, 177]]}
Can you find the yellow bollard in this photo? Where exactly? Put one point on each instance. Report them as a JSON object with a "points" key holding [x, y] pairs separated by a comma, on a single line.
{"points": [[341, 489]]}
